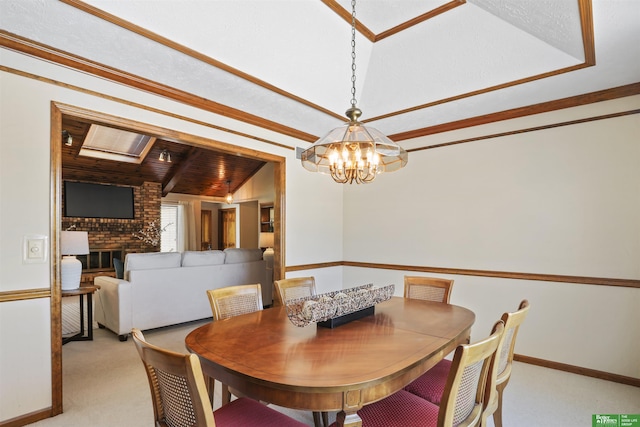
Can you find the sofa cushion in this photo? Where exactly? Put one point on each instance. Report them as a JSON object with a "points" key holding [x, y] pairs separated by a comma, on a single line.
{"points": [[118, 266], [237, 255], [196, 258], [152, 260]]}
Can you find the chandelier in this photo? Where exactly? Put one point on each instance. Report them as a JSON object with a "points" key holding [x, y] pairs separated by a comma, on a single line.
{"points": [[352, 152], [229, 197]]}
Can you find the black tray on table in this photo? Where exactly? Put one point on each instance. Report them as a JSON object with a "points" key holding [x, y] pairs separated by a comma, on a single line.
{"points": [[346, 318]]}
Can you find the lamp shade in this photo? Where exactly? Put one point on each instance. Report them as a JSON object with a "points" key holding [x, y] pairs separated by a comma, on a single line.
{"points": [[74, 243], [266, 240]]}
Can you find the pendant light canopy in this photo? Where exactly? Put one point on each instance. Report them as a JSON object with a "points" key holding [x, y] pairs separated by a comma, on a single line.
{"points": [[352, 152]]}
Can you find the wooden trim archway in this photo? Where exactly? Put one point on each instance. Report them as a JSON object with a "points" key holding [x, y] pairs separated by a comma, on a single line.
{"points": [[58, 111]]}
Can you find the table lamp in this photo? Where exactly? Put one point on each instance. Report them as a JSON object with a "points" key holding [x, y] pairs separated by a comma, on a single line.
{"points": [[266, 241], [72, 243]]}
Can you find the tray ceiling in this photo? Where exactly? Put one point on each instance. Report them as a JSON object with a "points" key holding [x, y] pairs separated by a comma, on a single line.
{"points": [[288, 63]]}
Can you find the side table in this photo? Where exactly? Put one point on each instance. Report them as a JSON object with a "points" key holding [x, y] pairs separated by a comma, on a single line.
{"points": [[82, 291]]}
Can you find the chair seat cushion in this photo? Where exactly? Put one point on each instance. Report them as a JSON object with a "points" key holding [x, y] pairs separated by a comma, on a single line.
{"points": [[401, 409], [430, 385], [243, 412]]}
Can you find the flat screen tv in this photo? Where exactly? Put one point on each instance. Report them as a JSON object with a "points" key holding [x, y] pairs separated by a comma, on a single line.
{"points": [[88, 200]]}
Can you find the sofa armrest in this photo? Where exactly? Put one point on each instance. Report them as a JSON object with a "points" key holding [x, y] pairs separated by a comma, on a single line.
{"points": [[114, 305]]}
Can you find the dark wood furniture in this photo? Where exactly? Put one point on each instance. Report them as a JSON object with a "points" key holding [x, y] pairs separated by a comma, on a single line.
{"points": [[266, 357], [81, 292], [266, 218]]}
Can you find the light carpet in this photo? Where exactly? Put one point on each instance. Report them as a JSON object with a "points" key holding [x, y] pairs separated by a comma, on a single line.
{"points": [[104, 384]]}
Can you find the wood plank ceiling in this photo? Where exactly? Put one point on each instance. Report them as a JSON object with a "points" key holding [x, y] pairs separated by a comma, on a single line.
{"points": [[193, 170]]}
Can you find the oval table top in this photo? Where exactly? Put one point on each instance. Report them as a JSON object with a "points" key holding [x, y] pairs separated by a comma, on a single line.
{"points": [[265, 356]]}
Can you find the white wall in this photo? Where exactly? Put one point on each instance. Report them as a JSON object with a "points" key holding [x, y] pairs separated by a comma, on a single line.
{"points": [[313, 223], [25, 107], [260, 187], [561, 201], [25, 358], [557, 201]]}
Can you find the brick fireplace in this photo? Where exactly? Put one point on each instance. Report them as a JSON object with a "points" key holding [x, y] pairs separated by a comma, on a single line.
{"points": [[114, 238]]}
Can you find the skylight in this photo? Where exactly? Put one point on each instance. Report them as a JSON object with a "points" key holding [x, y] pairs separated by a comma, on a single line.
{"points": [[114, 144]]}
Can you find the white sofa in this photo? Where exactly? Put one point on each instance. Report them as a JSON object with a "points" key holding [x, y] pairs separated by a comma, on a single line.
{"points": [[166, 288]]}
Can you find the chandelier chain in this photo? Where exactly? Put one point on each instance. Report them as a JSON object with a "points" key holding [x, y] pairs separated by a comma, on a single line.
{"points": [[353, 53]]}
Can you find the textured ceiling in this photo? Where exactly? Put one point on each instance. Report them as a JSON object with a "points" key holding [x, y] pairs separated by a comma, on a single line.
{"points": [[289, 61]]}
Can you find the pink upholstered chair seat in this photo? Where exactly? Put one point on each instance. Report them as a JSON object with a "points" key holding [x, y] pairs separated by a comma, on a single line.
{"points": [[401, 409], [430, 385], [244, 412], [471, 371]]}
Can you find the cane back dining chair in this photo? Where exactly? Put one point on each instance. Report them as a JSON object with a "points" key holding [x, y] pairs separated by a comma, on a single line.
{"points": [[438, 290], [428, 288], [233, 301], [431, 385], [512, 322], [179, 394], [472, 371], [294, 288], [290, 289]]}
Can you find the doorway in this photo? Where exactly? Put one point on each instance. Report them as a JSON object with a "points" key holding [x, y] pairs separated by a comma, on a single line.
{"points": [[227, 225], [206, 230], [62, 111]]}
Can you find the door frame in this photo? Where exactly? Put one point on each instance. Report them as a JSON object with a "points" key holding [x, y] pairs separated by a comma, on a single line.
{"points": [[60, 110]]}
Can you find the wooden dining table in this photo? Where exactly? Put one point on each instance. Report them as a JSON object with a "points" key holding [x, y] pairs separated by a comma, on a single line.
{"points": [[264, 356]]}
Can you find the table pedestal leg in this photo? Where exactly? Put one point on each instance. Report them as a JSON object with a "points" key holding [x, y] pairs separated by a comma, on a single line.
{"points": [[226, 394], [348, 420], [211, 387]]}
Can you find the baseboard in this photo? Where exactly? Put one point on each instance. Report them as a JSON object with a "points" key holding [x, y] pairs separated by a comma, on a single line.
{"points": [[622, 379], [25, 419]]}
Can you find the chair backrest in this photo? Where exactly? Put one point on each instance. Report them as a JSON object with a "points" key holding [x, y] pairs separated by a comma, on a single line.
{"points": [[472, 369], [504, 358], [298, 287], [512, 322], [178, 390], [235, 300], [428, 288]]}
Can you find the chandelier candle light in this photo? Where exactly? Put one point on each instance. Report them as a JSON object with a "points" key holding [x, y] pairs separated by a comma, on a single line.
{"points": [[353, 153]]}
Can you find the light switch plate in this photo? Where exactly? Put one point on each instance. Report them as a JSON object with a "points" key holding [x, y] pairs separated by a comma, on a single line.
{"points": [[35, 249]]}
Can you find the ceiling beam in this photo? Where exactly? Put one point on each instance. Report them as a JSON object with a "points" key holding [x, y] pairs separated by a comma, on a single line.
{"points": [[175, 177]]}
